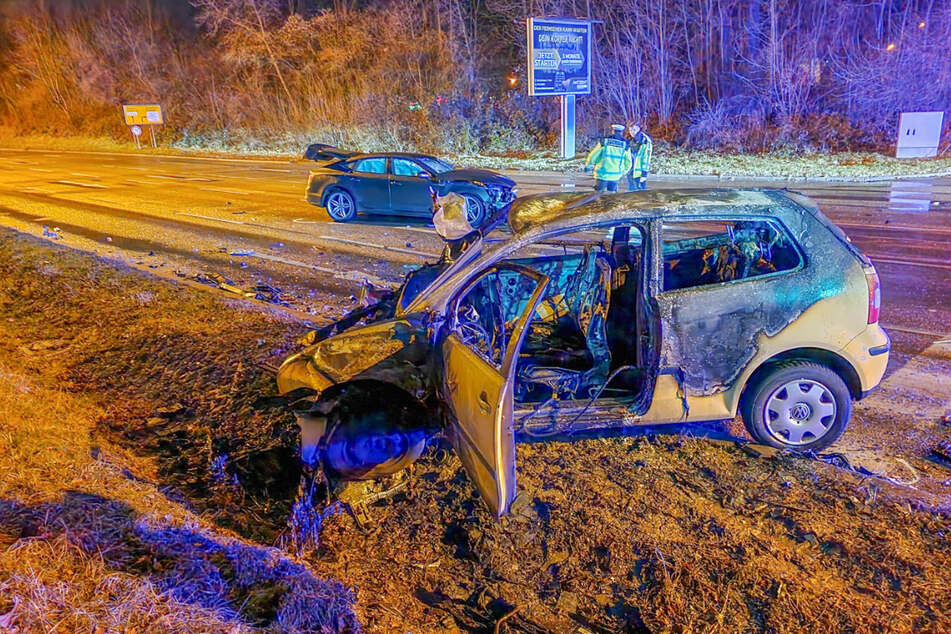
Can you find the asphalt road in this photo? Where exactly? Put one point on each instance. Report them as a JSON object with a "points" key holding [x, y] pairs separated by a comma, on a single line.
{"points": [[248, 221]]}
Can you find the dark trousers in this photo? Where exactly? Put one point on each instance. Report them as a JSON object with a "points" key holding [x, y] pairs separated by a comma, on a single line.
{"points": [[600, 185], [634, 182]]}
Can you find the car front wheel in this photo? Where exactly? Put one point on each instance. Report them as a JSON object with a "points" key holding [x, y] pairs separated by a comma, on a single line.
{"points": [[340, 206], [797, 405], [475, 210]]}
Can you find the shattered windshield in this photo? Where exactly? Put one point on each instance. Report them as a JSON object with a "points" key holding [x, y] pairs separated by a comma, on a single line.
{"points": [[435, 165]]}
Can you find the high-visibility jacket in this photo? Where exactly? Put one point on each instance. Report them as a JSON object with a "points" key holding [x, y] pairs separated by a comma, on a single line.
{"points": [[611, 158], [644, 149]]}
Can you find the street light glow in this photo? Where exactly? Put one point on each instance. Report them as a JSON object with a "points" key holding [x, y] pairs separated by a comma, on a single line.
{"points": [[890, 47]]}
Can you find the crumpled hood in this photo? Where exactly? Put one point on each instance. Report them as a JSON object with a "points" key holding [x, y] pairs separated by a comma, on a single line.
{"points": [[486, 177], [347, 354]]}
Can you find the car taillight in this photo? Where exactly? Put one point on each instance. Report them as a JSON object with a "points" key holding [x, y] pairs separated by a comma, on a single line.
{"points": [[874, 296]]}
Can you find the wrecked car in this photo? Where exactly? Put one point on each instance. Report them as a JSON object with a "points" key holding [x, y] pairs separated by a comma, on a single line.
{"points": [[404, 184], [601, 311]]}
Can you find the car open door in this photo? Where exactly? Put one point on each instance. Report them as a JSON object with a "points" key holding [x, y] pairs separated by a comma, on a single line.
{"points": [[486, 326]]}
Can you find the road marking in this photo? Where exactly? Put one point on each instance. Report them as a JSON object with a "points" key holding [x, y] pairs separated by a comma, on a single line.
{"points": [[853, 225], [81, 175], [274, 169], [350, 276], [373, 245], [175, 177], [78, 184], [38, 190], [930, 265], [430, 231], [40, 169], [230, 222], [916, 331], [246, 192], [303, 221]]}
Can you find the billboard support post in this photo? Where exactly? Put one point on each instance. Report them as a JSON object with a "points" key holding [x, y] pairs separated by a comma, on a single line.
{"points": [[567, 126]]}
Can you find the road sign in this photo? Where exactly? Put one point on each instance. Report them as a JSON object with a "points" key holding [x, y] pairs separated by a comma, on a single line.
{"points": [[919, 134], [559, 57], [136, 130], [143, 114]]}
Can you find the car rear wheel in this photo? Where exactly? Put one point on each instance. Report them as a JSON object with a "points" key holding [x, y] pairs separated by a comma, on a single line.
{"points": [[340, 206], [475, 210], [797, 405]]}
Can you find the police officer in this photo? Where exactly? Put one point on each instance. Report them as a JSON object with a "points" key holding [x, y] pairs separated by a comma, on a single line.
{"points": [[610, 160], [642, 148]]}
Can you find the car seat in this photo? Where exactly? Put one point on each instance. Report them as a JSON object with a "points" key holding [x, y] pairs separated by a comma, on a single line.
{"points": [[588, 295]]}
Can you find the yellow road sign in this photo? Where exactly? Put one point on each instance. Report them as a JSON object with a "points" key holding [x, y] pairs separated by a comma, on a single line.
{"points": [[142, 114]]}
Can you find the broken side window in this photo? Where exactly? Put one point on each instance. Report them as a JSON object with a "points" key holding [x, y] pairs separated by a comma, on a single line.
{"points": [[375, 165], [703, 252], [487, 314]]}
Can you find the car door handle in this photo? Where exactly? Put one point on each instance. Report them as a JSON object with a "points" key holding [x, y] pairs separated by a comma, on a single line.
{"points": [[484, 405]]}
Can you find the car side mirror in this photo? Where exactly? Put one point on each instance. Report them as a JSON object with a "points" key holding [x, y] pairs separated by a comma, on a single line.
{"points": [[424, 175]]}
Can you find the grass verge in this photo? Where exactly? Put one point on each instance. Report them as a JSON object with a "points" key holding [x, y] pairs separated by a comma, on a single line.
{"points": [[668, 160], [92, 537]]}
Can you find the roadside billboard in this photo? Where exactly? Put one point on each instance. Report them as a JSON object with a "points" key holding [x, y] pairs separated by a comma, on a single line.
{"points": [[559, 57], [142, 114]]}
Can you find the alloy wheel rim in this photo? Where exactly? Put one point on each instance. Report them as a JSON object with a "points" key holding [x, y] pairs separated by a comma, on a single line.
{"points": [[339, 206], [799, 412], [473, 210]]}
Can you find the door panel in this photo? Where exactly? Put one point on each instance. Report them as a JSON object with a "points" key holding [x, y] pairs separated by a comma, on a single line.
{"points": [[370, 184], [478, 363], [408, 192]]}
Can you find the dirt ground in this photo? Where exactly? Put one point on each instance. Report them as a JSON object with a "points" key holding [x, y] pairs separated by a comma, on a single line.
{"points": [[663, 530]]}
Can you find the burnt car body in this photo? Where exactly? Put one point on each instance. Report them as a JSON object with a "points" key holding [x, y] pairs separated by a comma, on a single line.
{"points": [[601, 311], [404, 184]]}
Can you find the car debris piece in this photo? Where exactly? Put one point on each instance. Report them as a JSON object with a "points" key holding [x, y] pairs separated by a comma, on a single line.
{"points": [[943, 453], [598, 312]]}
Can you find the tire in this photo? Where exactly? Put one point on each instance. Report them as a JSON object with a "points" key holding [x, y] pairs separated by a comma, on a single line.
{"points": [[475, 210], [340, 205], [370, 438], [797, 405]]}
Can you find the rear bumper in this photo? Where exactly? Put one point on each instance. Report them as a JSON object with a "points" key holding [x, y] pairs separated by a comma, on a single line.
{"points": [[868, 354], [313, 199]]}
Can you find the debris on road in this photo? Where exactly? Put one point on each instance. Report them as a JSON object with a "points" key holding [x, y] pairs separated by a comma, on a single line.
{"points": [[51, 234], [943, 454]]}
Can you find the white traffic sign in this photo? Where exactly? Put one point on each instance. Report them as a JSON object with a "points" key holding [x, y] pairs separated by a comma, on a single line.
{"points": [[136, 130], [919, 134]]}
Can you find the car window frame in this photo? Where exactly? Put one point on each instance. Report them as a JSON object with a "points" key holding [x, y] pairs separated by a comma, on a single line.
{"points": [[764, 217], [419, 167], [386, 166]]}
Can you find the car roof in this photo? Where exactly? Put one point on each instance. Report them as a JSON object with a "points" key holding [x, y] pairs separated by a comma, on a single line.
{"points": [[566, 209], [411, 155]]}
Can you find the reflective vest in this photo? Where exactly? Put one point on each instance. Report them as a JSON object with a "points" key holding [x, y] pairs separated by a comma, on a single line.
{"points": [[611, 159], [644, 149]]}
